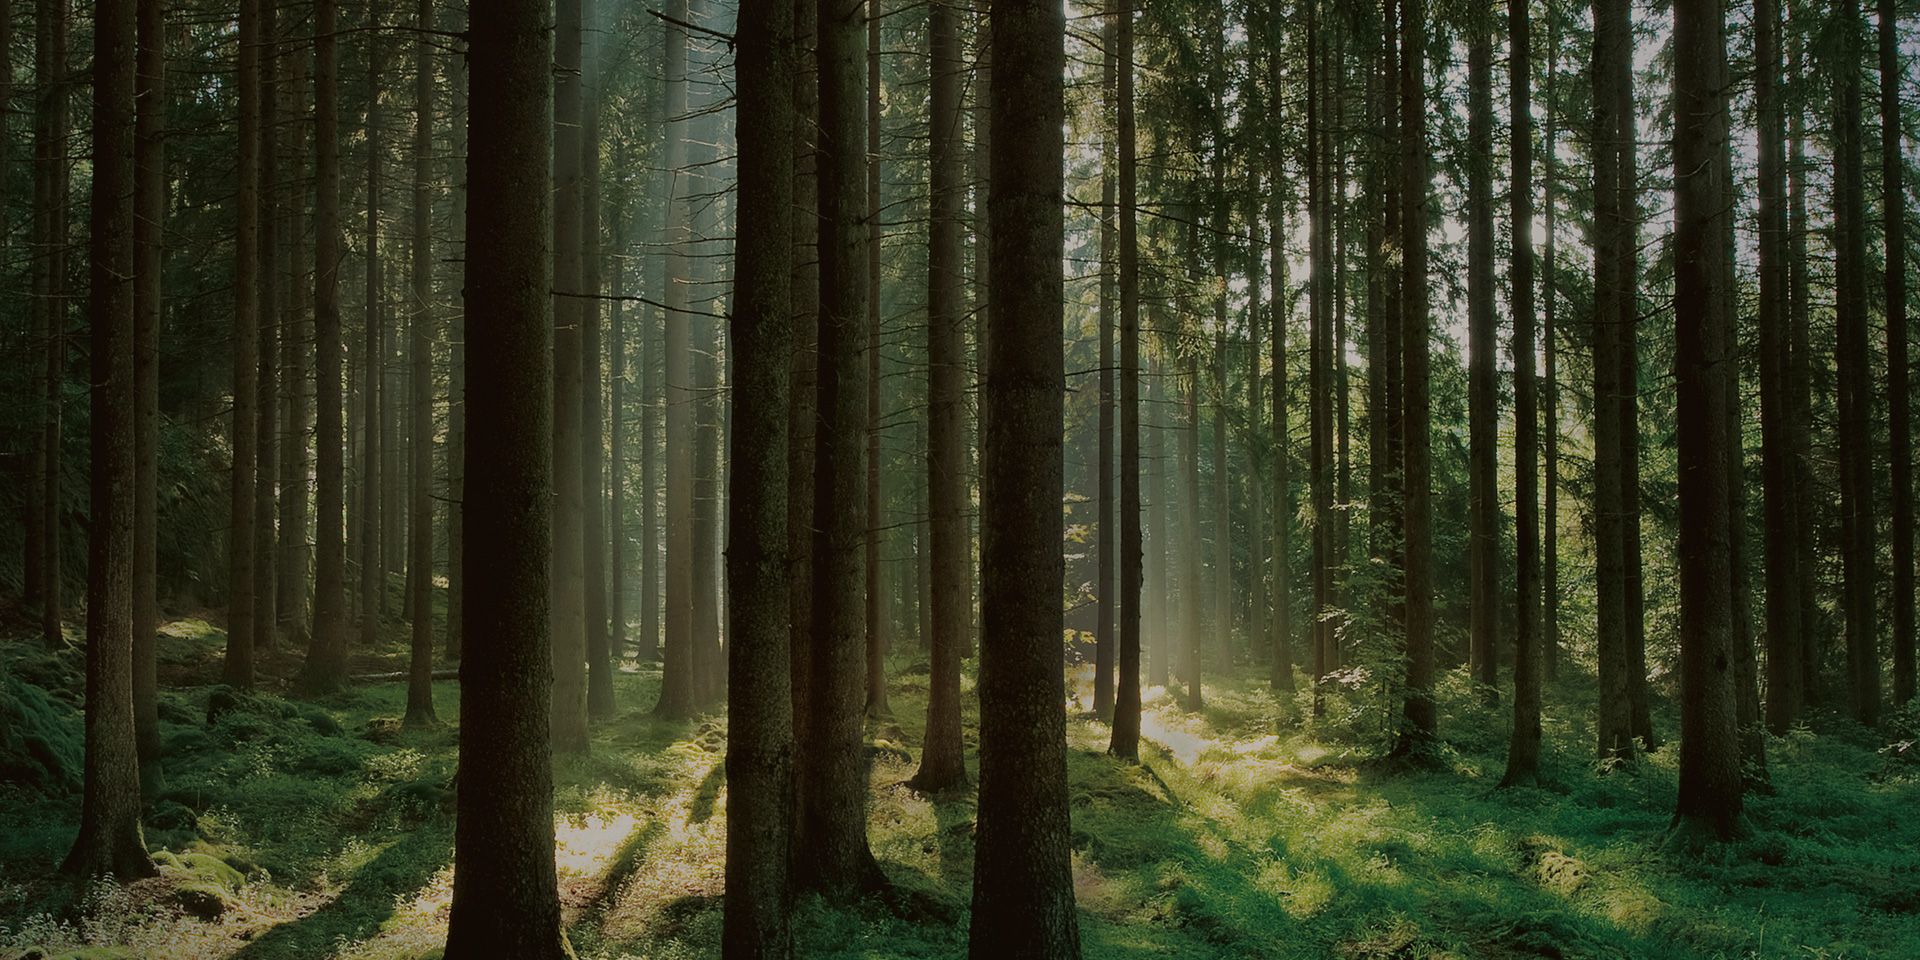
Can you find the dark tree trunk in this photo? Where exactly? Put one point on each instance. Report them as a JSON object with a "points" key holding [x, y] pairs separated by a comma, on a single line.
{"points": [[803, 399], [1613, 314], [876, 607], [1550, 403], [1523, 750], [457, 367], [149, 195], [238, 669], [1483, 402], [569, 315], [50, 231], [1854, 378], [1811, 517], [1193, 597], [600, 652], [834, 857], [505, 893], [1126, 710], [1781, 500], [1899, 396], [1022, 880], [1421, 714], [109, 842], [1710, 786], [1107, 593], [326, 667], [942, 758], [759, 704], [420, 711], [270, 309], [677, 689], [374, 521]]}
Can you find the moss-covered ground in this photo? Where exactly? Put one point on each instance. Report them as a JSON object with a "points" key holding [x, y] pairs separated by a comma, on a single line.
{"points": [[304, 829]]}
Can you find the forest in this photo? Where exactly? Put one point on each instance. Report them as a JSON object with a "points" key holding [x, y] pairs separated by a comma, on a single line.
{"points": [[1388, 480]]}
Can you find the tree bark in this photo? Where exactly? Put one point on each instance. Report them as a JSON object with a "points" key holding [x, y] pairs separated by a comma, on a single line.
{"points": [[1523, 750], [600, 653], [1023, 882], [943, 753], [1710, 787], [375, 521], [109, 842], [1899, 363], [505, 894], [326, 667], [568, 581], [1126, 712], [420, 710], [149, 216], [1781, 501], [270, 309], [238, 668], [51, 173], [457, 116], [1483, 402], [1107, 593], [677, 678], [1421, 713], [1193, 597], [1854, 378], [876, 608]]}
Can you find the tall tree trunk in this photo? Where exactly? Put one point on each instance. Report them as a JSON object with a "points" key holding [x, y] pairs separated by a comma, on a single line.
{"points": [[1107, 594], [569, 571], [1613, 314], [1710, 789], [1854, 377], [326, 667], [760, 708], [505, 896], [109, 842], [834, 856], [420, 515], [1523, 750], [618, 371], [270, 308], [238, 669], [1160, 653], [1222, 593], [876, 612], [1280, 667], [457, 363], [1899, 363], [1126, 711], [600, 652], [1483, 402], [1023, 881], [1319, 381], [1550, 403], [376, 523], [50, 163], [1193, 597], [1257, 643], [677, 678], [1421, 713], [150, 200], [942, 757], [1781, 501], [803, 404], [1800, 399]]}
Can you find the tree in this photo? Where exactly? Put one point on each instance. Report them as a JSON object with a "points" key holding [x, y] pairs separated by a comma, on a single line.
{"points": [[943, 754], [1483, 554], [676, 675], [150, 198], [326, 667], [1899, 363], [876, 629], [569, 549], [1105, 594], [832, 848], [599, 652], [420, 515], [269, 309], [1710, 786], [505, 894], [1853, 377], [1022, 879], [1421, 713], [1779, 497], [1126, 710], [238, 669], [759, 704], [1523, 754], [374, 518], [45, 571], [109, 843]]}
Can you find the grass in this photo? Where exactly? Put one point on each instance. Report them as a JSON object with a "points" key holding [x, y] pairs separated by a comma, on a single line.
{"points": [[1251, 830]]}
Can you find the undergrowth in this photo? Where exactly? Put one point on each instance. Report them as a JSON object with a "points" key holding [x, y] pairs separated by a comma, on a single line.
{"points": [[1256, 828]]}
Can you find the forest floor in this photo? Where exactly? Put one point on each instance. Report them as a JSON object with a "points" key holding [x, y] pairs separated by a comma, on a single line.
{"points": [[319, 829]]}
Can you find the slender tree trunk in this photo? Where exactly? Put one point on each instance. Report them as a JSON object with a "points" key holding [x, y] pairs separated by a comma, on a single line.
{"points": [[375, 522], [1161, 652], [457, 364], [505, 895], [1257, 543], [1107, 593], [1280, 668], [760, 708], [238, 669], [803, 405], [600, 652], [1193, 598], [618, 371], [1550, 403], [150, 200], [1523, 750], [420, 710], [109, 842], [270, 307], [568, 581], [876, 598], [1421, 714], [1023, 881], [326, 667], [942, 757], [834, 857], [1800, 401], [1710, 787], [677, 678], [50, 301], [1483, 404], [1126, 711], [1854, 379], [1222, 528], [1613, 312], [1899, 362], [1781, 500]]}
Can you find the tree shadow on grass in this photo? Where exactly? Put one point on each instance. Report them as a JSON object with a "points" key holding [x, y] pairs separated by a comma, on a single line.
{"points": [[368, 900]]}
